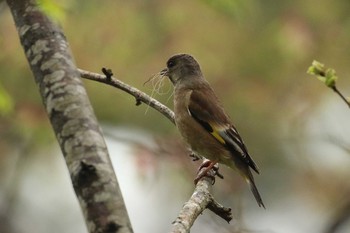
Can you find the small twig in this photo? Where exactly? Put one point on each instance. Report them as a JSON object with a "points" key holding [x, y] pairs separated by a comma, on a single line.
{"points": [[220, 210], [108, 73], [335, 89]]}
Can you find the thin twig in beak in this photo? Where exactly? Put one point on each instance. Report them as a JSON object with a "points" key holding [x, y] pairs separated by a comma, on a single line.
{"points": [[164, 72]]}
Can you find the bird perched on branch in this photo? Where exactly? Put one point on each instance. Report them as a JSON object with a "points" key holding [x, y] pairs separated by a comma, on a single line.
{"points": [[203, 123]]}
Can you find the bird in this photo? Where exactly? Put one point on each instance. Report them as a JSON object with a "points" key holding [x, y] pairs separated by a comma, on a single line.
{"points": [[203, 123]]}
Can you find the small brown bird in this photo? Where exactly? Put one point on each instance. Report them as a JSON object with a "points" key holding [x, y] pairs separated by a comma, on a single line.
{"points": [[203, 123]]}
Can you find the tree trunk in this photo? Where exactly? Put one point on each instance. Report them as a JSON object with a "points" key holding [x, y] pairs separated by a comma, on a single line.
{"points": [[72, 119]]}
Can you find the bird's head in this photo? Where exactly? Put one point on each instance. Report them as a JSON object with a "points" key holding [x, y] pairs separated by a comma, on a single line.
{"points": [[182, 68]]}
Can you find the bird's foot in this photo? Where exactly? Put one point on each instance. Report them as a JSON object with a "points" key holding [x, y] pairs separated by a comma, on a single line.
{"points": [[204, 170]]}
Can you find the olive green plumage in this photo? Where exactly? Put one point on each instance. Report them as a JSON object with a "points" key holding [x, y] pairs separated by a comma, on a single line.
{"points": [[202, 121]]}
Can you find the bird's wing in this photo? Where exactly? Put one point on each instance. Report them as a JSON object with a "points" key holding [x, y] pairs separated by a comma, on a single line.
{"points": [[204, 108]]}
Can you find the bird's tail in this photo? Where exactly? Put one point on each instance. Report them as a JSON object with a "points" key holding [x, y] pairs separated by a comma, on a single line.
{"points": [[250, 180]]}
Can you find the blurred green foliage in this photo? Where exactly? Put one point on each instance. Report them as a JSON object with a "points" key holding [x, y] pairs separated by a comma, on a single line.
{"points": [[54, 9], [254, 54], [6, 103]]}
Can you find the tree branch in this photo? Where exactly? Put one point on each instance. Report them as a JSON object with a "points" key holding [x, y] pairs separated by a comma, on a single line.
{"points": [[72, 119], [199, 201], [201, 197], [139, 95]]}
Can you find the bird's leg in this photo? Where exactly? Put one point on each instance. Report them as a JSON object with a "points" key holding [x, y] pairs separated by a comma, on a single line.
{"points": [[207, 164]]}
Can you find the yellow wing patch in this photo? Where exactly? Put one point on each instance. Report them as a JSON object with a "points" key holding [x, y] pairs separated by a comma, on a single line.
{"points": [[218, 137]]}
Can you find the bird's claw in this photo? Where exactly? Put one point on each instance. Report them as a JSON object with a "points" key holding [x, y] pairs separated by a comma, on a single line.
{"points": [[211, 169]]}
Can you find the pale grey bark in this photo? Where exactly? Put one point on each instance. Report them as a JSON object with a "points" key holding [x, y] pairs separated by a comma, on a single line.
{"points": [[72, 119], [200, 200]]}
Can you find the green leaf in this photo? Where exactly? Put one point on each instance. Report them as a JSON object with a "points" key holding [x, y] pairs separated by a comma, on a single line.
{"points": [[316, 68], [327, 76], [331, 78]]}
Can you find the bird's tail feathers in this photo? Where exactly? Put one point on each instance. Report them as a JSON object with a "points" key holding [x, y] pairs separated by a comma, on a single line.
{"points": [[250, 180]]}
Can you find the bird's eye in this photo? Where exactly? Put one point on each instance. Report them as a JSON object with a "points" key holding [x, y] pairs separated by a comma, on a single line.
{"points": [[171, 64]]}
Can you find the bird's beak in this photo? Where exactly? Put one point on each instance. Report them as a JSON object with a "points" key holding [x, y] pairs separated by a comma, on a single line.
{"points": [[164, 72]]}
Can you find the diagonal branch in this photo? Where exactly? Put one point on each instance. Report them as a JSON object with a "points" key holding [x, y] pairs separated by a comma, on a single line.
{"points": [[139, 95]]}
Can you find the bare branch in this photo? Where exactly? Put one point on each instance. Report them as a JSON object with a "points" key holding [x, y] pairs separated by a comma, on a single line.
{"points": [[199, 201], [139, 95], [220, 210], [193, 207]]}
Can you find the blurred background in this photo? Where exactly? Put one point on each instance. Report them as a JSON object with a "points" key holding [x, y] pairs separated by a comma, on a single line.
{"points": [[255, 55]]}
